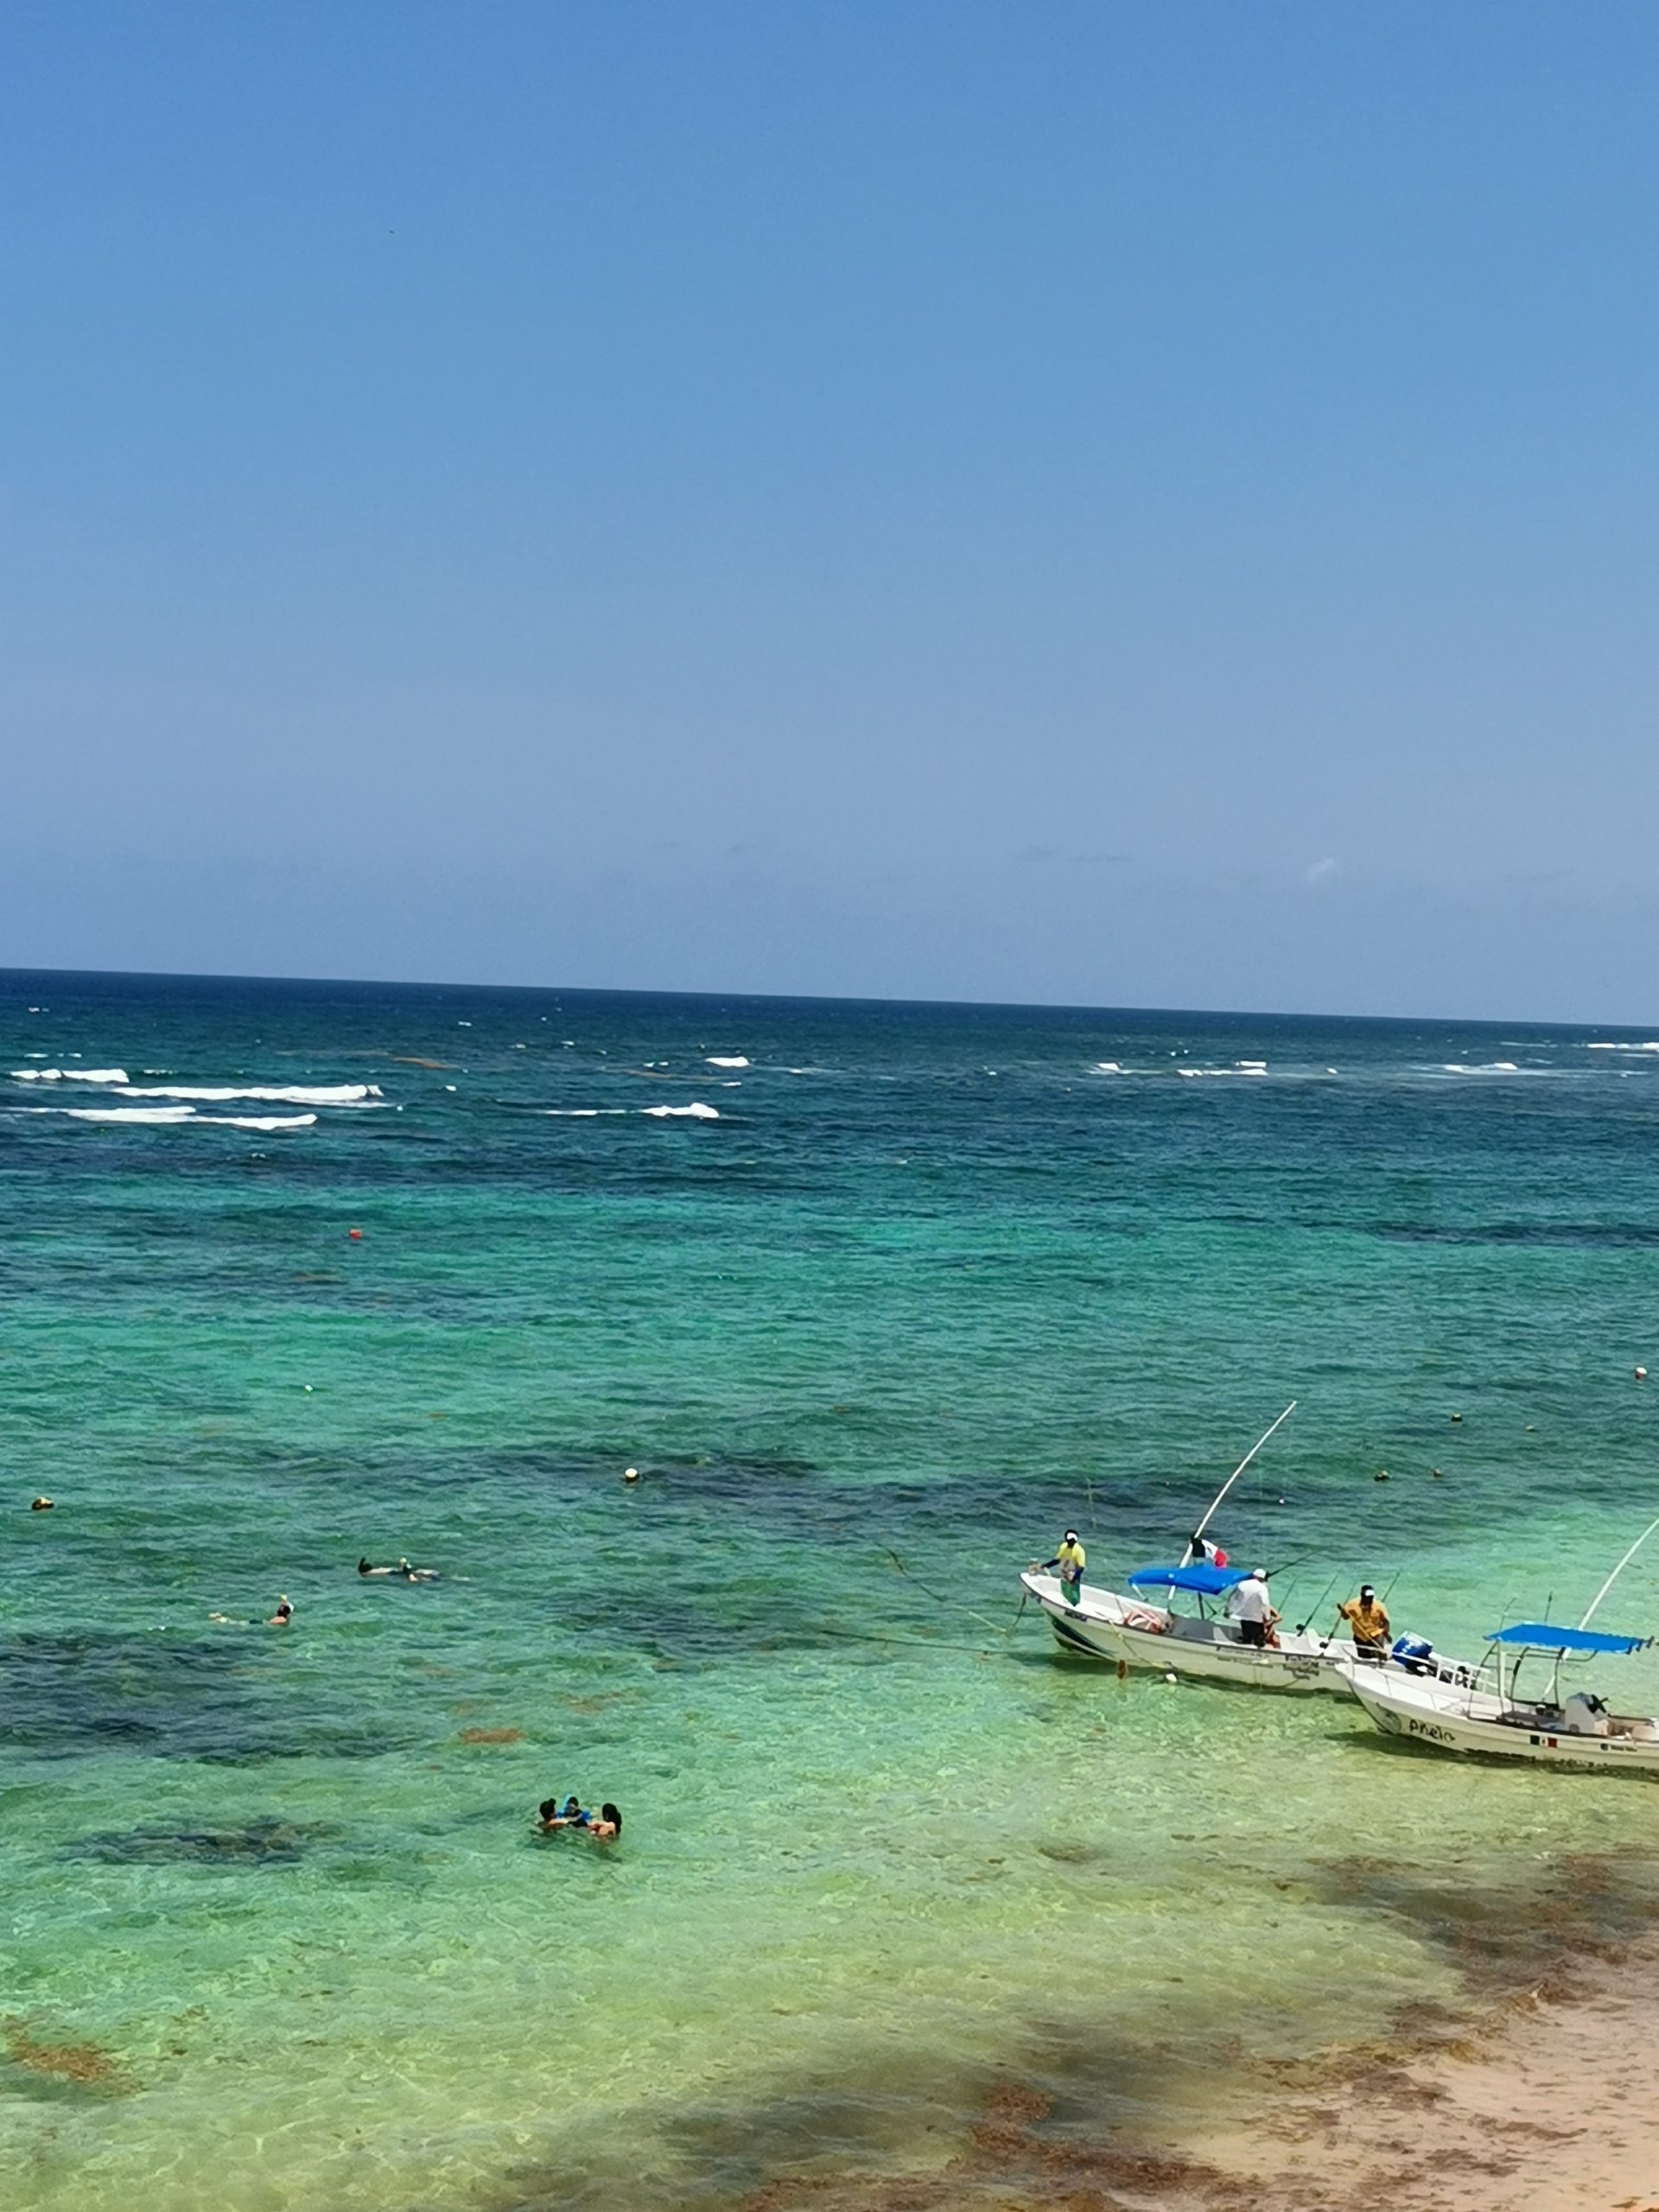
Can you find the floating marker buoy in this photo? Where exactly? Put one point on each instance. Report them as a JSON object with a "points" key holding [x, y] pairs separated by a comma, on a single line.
{"points": [[630, 1474], [1171, 1678], [1435, 1472], [1456, 1416], [1381, 1476], [356, 1235], [1640, 1374], [309, 1387], [39, 1505]]}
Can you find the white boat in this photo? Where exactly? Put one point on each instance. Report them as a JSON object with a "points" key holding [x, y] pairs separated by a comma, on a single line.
{"points": [[1130, 1631], [1133, 1631], [1495, 1722]]}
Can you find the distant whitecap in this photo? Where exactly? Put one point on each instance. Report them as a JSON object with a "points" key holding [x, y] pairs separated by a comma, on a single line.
{"points": [[269, 1094], [70, 1075], [157, 1116], [262, 1121]]}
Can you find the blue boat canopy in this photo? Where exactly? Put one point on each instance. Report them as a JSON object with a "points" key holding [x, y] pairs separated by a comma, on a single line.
{"points": [[1540, 1638], [1208, 1581]]}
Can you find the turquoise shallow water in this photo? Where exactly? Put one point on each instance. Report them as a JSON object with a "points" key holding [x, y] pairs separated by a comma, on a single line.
{"points": [[916, 1288]]}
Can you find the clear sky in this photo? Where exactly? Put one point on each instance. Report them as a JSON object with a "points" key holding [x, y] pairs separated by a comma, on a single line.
{"points": [[1128, 504]]}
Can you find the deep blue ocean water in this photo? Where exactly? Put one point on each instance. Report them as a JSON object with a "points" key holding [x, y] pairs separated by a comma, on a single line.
{"points": [[875, 1297]]}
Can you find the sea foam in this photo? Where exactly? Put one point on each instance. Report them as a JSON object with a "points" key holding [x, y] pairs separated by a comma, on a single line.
{"points": [[69, 1075], [273, 1094], [262, 1121], [156, 1114]]}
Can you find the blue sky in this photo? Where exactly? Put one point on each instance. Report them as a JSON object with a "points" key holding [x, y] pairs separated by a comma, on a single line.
{"points": [[1141, 503]]}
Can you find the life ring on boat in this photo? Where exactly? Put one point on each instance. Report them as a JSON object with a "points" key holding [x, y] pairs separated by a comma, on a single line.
{"points": [[1138, 1616]]}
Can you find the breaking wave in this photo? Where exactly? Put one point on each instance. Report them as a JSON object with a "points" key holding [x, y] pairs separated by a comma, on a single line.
{"points": [[694, 1112], [272, 1094], [69, 1075]]}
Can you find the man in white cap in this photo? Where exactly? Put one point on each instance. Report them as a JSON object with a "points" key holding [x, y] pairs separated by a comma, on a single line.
{"points": [[1253, 1610]]}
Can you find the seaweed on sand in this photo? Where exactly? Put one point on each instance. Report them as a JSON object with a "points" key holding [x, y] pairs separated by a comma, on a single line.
{"points": [[81, 2065]]}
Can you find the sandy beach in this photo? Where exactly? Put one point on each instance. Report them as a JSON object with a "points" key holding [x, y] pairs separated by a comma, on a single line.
{"points": [[1547, 2106], [1541, 2100]]}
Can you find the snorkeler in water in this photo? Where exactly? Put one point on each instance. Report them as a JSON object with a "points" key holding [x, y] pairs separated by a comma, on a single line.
{"points": [[401, 1569], [280, 1618]]}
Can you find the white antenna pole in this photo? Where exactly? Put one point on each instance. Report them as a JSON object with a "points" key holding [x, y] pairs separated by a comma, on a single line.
{"points": [[1618, 1570], [1238, 1471]]}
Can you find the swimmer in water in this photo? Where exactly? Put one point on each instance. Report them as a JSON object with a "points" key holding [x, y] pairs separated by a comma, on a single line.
{"points": [[280, 1618], [567, 1815], [403, 1570], [608, 1827]]}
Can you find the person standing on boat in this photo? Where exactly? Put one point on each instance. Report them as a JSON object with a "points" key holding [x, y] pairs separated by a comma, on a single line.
{"points": [[1253, 1610], [1068, 1563], [1368, 1623]]}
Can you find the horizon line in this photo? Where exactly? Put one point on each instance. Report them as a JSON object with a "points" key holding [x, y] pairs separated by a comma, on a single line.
{"points": [[797, 998]]}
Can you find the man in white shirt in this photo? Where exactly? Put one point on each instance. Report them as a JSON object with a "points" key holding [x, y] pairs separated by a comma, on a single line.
{"points": [[1252, 1608]]}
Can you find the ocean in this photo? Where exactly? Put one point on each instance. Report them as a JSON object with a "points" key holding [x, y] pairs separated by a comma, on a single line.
{"points": [[876, 1299]]}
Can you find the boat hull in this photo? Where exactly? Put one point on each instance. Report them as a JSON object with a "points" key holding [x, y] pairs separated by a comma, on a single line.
{"points": [[1108, 1625], [1470, 1725]]}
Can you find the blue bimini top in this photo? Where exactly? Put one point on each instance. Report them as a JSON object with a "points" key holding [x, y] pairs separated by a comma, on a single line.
{"points": [[1539, 1636], [1208, 1581]]}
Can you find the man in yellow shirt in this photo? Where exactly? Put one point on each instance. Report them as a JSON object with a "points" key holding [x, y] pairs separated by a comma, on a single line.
{"points": [[1068, 1562], [1368, 1622]]}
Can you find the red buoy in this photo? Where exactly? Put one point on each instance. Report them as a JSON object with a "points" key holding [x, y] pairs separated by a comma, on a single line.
{"points": [[354, 1232]]}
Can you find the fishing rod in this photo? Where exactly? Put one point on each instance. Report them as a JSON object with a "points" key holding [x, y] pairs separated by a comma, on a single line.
{"points": [[1216, 1502], [1617, 1571], [1314, 1609]]}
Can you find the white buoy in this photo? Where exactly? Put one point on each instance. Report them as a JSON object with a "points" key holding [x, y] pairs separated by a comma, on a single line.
{"points": [[630, 1474], [1640, 1374], [1171, 1678]]}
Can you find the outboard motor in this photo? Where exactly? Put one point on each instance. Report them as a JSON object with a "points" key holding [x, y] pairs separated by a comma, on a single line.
{"points": [[1413, 1653]]}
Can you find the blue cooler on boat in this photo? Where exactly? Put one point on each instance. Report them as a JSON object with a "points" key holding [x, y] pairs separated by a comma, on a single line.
{"points": [[1413, 1653]]}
